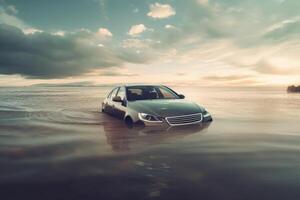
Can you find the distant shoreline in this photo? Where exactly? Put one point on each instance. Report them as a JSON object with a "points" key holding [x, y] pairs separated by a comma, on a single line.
{"points": [[293, 89]]}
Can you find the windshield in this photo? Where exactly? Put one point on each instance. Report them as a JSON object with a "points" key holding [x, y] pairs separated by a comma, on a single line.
{"points": [[149, 92]]}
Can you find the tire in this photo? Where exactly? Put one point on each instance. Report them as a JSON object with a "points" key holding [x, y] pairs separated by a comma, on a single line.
{"points": [[128, 121]]}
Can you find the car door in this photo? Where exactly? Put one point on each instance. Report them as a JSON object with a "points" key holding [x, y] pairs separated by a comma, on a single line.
{"points": [[110, 103], [120, 107]]}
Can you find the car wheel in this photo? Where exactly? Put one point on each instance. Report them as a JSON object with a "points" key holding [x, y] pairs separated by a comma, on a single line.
{"points": [[128, 121]]}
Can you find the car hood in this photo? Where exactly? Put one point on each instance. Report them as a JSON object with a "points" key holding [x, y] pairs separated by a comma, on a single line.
{"points": [[165, 107]]}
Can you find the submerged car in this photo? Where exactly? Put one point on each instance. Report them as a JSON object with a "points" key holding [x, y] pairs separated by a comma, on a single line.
{"points": [[153, 105]]}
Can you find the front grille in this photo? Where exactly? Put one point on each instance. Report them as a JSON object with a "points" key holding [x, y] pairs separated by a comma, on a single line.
{"points": [[184, 119]]}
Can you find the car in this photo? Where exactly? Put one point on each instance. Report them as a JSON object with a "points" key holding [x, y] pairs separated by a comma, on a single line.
{"points": [[153, 105]]}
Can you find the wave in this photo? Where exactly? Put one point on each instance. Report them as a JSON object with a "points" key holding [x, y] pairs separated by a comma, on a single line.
{"points": [[60, 117]]}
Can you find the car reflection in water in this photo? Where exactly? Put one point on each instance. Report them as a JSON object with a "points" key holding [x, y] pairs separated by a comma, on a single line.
{"points": [[123, 138]]}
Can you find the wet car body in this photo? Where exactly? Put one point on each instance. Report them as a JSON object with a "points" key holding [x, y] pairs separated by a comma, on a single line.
{"points": [[153, 105]]}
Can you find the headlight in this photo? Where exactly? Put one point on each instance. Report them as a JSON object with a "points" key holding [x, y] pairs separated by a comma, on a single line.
{"points": [[149, 118], [205, 114]]}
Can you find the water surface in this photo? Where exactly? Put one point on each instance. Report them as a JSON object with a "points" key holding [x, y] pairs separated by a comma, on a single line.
{"points": [[55, 144]]}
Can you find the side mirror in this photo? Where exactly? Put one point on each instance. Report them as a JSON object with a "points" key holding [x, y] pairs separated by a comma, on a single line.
{"points": [[117, 99], [181, 96]]}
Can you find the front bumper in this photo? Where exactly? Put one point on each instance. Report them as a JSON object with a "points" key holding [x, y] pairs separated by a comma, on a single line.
{"points": [[166, 123]]}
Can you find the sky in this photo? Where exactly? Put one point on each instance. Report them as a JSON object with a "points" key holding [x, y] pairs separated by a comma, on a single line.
{"points": [[184, 42]]}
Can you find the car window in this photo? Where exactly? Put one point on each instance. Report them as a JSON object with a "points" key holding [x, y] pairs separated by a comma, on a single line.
{"points": [[121, 93], [137, 91], [165, 93], [149, 92], [113, 93]]}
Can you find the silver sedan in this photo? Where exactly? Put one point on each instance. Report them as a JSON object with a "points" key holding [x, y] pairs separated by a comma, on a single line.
{"points": [[153, 105]]}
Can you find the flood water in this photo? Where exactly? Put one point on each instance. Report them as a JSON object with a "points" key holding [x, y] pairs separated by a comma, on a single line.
{"points": [[56, 144]]}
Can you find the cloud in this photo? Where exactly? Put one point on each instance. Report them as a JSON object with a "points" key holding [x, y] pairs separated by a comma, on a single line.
{"points": [[216, 37], [203, 2], [104, 33], [137, 43], [60, 33], [44, 55], [160, 11], [226, 77], [284, 29], [168, 26], [278, 67], [232, 80], [228, 20], [136, 30], [7, 16], [282, 24], [71, 84], [181, 74], [12, 9], [115, 73]]}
